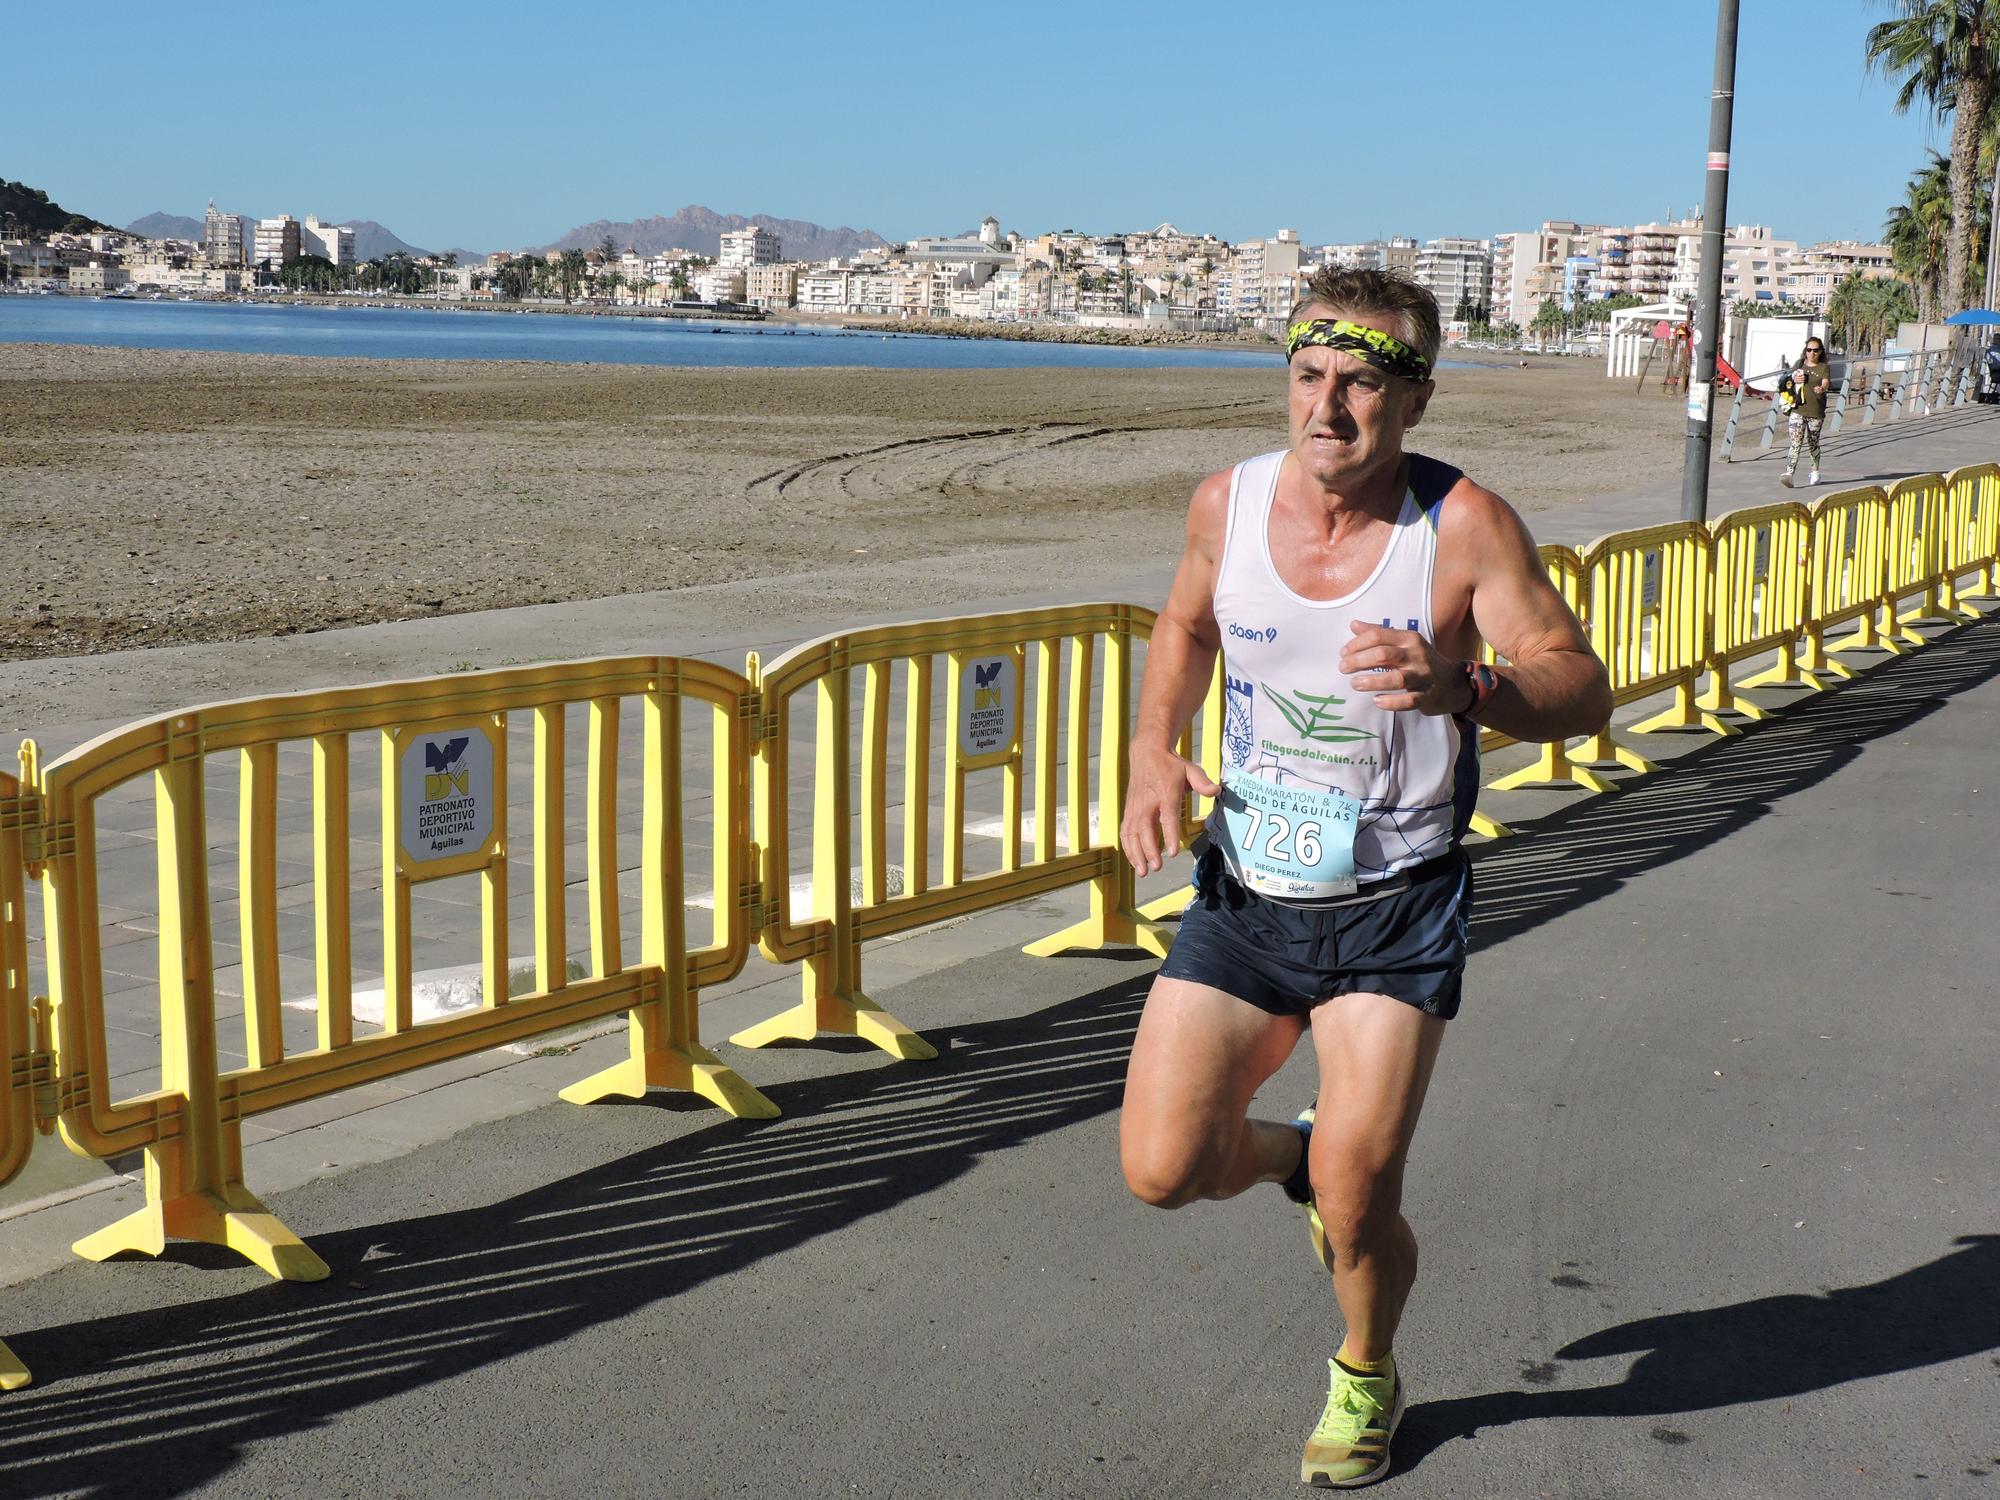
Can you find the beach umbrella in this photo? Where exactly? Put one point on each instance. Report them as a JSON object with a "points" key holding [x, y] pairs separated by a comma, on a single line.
{"points": [[1973, 317]]}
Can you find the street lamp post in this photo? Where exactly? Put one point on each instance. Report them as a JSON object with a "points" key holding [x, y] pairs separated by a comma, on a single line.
{"points": [[1714, 229]]}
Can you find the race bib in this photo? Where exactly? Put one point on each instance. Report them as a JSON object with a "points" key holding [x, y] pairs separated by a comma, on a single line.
{"points": [[1291, 843]]}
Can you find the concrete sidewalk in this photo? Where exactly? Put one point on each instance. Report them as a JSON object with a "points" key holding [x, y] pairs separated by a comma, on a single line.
{"points": [[1706, 1185]]}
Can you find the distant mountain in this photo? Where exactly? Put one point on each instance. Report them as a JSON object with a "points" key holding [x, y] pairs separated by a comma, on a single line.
{"points": [[167, 227], [30, 211], [372, 241], [700, 230]]}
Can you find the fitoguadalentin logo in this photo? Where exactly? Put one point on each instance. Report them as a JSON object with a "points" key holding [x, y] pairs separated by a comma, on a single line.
{"points": [[1313, 716]]}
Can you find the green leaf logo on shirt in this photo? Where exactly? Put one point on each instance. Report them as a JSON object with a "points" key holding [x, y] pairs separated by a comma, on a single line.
{"points": [[1313, 717]]}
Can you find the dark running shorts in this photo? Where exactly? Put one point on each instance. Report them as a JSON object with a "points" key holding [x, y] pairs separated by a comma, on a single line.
{"points": [[1287, 959]]}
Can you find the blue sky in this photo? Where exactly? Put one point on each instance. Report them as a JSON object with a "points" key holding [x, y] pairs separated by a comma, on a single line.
{"points": [[496, 125]]}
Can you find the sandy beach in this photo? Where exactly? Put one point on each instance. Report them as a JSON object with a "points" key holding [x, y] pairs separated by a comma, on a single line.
{"points": [[151, 497]]}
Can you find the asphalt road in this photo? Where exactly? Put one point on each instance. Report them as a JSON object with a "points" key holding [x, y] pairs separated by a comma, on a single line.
{"points": [[1708, 1189]]}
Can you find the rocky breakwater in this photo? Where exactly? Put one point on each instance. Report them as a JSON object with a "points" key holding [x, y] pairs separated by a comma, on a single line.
{"points": [[1060, 333]]}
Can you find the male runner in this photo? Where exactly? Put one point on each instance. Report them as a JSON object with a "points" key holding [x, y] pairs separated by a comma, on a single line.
{"points": [[1349, 584]]}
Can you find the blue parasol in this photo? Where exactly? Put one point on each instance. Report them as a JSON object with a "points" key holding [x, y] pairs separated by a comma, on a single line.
{"points": [[1973, 316]]}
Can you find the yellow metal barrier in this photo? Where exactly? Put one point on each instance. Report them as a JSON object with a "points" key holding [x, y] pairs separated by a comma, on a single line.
{"points": [[1972, 508], [1917, 560], [983, 729], [1552, 765], [1849, 555], [1200, 742], [1761, 567], [1648, 620], [1659, 605], [444, 785], [17, 1053]]}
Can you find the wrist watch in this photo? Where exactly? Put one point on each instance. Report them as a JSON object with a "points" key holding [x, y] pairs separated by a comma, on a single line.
{"points": [[1484, 683]]}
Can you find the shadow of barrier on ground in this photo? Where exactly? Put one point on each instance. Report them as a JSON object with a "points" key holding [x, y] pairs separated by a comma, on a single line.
{"points": [[1661, 606], [164, 1399]]}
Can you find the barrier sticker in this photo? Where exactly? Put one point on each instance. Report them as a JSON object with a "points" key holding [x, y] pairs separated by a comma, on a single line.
{"points": [[446, 781], [989, 718]]}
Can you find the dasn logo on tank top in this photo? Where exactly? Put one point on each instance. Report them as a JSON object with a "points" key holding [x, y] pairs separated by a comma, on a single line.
{"points": [[1265, 635]]}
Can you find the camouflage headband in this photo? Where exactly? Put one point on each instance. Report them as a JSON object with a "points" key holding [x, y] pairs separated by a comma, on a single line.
{"points": [[1369, 345]]}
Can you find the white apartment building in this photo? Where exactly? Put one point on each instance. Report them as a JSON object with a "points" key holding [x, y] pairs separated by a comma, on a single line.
{"points": [[333, 241], [1365, 256], [719, 284], [824, 291], [1639, 259], [222, 237], [1754, 264], [277, 241], [1813, 274], [743, 248], [98, 276], [1528, 266], [1266, 276], [1456, 271]]}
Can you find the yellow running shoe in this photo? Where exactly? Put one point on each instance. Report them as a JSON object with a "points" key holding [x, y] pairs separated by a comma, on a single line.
{"points": [[1318, 1232], [1350, 1446]]}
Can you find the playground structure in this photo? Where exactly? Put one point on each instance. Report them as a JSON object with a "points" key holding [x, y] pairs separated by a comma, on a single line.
{"points": [[1657, 332]]}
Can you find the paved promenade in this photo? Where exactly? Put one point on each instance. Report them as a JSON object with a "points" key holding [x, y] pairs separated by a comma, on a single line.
{"points": [[1706, 1186]]}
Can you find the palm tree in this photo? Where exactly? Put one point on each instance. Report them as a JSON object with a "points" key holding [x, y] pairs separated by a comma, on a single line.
{"points": [[1549, 318], [609, 283], [1918, 233], [1867, 309], [643, 287], [1947, 54], [1843, 307], [570, 270]]}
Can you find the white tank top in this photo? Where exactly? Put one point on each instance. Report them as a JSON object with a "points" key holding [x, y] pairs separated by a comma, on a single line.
{"points": [[1294, 717]]}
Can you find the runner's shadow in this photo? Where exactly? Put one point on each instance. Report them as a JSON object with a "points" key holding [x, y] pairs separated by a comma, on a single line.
{"points": [[1762, 1350], [160, 1402], [1591, 848]]}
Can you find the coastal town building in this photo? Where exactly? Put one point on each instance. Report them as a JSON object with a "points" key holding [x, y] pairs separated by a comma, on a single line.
{"points": [[1266, 278], [824, 291], [718, 284], [1528, 266], [222, 237], [1156, 277], [277, 242], [335, 242], [743, 248], [771, 286], [1753, 265], [1813, 274], [1459, 273], [97, 276]]}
